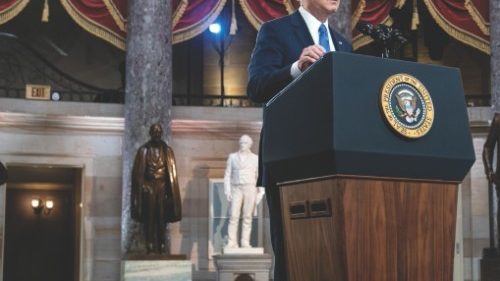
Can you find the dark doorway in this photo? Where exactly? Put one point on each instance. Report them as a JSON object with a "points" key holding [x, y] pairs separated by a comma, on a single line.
{"points": [[40, 244]]}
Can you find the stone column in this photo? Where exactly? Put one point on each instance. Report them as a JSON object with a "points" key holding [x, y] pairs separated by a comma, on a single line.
{"points": [[341, 20], [495, 54], [148, 94]]}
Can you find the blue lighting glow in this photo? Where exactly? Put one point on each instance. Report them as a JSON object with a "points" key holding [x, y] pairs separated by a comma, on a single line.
{"points": [[215, 28]]}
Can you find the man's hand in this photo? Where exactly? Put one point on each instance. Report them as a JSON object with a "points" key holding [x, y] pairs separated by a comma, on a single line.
{"points": [[309, 56]]}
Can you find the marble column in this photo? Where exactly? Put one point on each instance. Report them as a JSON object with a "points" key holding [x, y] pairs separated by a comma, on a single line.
{"points": [[341, 20], [148, 94], [495, 54]]}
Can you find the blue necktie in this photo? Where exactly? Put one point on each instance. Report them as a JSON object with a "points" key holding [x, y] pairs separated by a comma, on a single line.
{"points": [[323, 38]]}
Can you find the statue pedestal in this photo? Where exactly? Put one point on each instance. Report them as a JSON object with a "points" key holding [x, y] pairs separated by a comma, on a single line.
{"points": [[231, 266], [243, 251], [490, 267], [166, 269]]}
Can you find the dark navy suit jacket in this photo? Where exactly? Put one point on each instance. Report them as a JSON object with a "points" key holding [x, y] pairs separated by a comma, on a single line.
{"points": [[279, 44]]}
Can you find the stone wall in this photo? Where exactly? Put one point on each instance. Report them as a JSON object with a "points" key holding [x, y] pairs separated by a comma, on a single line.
{"points": [[202, 139], [49, 133]]}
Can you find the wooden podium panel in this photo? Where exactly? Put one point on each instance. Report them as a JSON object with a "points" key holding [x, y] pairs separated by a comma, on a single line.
{"points": [[368, 229]]}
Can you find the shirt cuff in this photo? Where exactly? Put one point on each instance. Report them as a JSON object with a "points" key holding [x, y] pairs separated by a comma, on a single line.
{"points": [[294, 70]]}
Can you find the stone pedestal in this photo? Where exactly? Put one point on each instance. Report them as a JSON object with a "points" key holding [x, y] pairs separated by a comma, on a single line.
{"points": [[243, 251], [156, 270], [231, 267]]}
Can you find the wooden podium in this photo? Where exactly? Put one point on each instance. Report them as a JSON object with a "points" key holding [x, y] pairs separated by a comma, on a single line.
{"points": [[359, 201]]}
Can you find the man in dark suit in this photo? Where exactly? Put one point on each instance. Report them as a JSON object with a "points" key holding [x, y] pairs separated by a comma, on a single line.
{"points": [[285, 48]]}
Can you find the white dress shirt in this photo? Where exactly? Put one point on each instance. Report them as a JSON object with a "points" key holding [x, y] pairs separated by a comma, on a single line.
{"points": [[312, 24]]}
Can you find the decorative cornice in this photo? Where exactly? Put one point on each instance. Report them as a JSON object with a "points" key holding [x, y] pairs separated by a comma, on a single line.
{"points": [[53, 123]]}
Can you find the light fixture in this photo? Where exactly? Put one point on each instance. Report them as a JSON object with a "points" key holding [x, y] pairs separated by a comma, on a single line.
{"points": [[37, 205], [215, 28], [221, 42], [49, 205], [56, 96]]}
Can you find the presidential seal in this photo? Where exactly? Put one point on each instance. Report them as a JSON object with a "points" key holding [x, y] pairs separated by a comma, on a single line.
{"points": [[407, 106]]}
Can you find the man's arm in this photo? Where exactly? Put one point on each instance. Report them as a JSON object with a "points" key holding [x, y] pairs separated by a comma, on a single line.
{"points": [[267, 71]]}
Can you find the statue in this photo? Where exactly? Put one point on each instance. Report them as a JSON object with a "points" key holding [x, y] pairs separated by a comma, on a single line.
{"points": [[492, 141], [3, 174], [240, 188], [155, 198]]}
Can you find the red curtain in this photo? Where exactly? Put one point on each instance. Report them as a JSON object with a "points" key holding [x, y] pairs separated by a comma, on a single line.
{"points": [[119, 11], [107, 19], [94, 16], [196, 16], [480, 13], [11, 8], [371, 11], [464, 20], [454, 18], [260, 11]]}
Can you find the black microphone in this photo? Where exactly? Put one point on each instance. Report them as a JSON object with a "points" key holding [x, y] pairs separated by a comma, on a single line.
{"points": [[365, 27]]}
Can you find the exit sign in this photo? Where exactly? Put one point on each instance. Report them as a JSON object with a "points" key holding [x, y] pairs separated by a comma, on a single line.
{"points": [[37, 92]]}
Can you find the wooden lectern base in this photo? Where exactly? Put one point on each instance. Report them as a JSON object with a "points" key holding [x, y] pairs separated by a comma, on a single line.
{"points": [[365, 229]]}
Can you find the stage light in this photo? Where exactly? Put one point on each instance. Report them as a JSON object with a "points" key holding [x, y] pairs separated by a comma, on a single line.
{"points": [[215, 28]]}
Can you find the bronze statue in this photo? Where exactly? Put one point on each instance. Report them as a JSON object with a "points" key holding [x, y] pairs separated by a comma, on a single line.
{"points": [[492, 141], [155, 194]]}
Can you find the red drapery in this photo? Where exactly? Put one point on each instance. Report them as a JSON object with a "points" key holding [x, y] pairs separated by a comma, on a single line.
{"points": [[479, 10], [464, 20], [11, 8], [196, 16], [454, 18], [261, 11], [371, 11], [108, 18], [94, 16]]}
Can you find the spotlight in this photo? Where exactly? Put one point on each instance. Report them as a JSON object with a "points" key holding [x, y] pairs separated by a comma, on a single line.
{"points": [[215, 28]]}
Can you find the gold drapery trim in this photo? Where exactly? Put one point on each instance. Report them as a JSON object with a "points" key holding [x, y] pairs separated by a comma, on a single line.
{"points": [[356, 14], [415, 18], [456, 32], [252, 18], [93, 27], [120, 21], [362, 40], [193, 31], [477, 17], [290, 8], [13, 11], [400, 3], [179, 12]]}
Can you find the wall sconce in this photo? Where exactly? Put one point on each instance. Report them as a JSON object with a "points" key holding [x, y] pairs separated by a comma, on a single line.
{"points": [[49, 205], [37, 205]]}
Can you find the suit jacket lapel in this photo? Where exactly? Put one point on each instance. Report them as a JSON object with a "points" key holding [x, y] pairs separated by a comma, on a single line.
{"points": [[301, 31]]}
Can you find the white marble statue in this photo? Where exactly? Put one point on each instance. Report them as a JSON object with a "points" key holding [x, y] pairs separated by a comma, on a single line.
{"points": [[240, 188]]}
